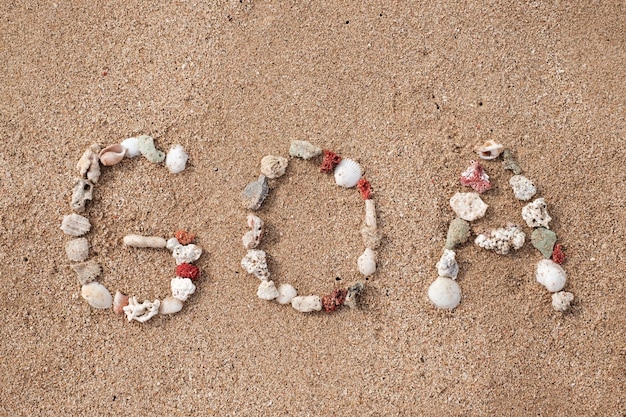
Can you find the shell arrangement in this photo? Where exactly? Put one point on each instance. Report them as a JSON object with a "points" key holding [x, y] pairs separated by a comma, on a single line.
{"points": [[348, 173], [77, 249], [445, 292]]}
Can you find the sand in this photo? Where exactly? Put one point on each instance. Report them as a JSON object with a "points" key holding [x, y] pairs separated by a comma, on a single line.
{"points": [[407, 90]]}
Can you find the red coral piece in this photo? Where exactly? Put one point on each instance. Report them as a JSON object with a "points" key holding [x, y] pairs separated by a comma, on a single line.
{"points": [[558, 255], [476, 177], [185, 270], [183, 237], [365, 188], [330, 302], [330, 161]]}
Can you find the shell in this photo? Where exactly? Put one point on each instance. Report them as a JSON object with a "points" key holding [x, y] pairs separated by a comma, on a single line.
{"points": [[348, 173], [119, 302], [502, 240], [88, 165], [458, 232], [112, 154], [536, 214], [367, 262], [138, 241], [182, 288], [141, 312], [132, 147], [303, 149], [176, 159], [255, 193], [87, 271], [562, 300], [255, 263], [147, 149], [444, 293], [267, 291], [77, 249], [468, 206], [170, 305], [75, 225], [352, 294], [307, 304], [96, 295], [551, 275], [523, 188], [286, 293], [447, 265], [82, 192], [489, 150], [543, 240], [186, 254]]}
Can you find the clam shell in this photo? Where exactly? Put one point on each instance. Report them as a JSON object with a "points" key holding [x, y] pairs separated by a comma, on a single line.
{"points": [[97, 295], [87, 271], [489, 150], [347, 173], [75, 225], [170, 305], [77, 249], [112, 154]]}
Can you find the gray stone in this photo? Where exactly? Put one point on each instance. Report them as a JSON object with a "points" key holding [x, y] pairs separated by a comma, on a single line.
{"points": [[543, 239], [458, 232], [254, 194]]}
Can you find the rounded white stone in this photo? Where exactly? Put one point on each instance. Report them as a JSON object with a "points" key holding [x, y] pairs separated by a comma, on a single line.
{"points": [[170, 305], [551, 275], [444, 293], [267, 290], [176, 159], [523, 188], [367, 262], [468, 206], [132, 147], [97, 295], [307, 304], [286, 293]]}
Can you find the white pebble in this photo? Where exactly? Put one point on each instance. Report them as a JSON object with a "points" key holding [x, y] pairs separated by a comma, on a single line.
{"points": [[176, 159], [132, 147], [367, 262], [273, 166], [444, 293], [447, 265], [307, 304], [551, 275], [138, 241], [286, 293], [562, 300], [267, 290], [468, 206], [523, 188]]}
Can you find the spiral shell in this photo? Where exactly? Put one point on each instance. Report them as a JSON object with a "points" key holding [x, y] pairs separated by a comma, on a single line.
{"points": [[489, 150], [75, 225], [348, 173], [112, 154]]}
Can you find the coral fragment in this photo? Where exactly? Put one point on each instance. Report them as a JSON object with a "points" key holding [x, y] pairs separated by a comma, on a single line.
{"points": [[331, 160], [365, 188]]}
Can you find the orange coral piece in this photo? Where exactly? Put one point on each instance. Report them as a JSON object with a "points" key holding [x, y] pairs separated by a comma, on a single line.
{"points": [[330, 302], [330, 161], [184, 237], [558, 255], [365, 188]]}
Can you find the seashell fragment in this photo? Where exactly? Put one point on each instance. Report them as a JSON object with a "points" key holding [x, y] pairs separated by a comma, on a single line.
{"points": [[138, 241], [562, 300], [447, 265], [252, 238], [536, 214], [458, 232], [82, 192], [509, 163], [286, 293], [182, 288], [468, 206], [303, 149], [551, 275], [476, 177], [87, 271], [88, 165], [119, 302], [147, 149], [367, 262], [523, 188], [96, 295], [267, 291], [352, 294], [255, 263], [112, 154], [489, 150], [77, 249], [255, 192], [176, 159], [348, 173], [307, 304], [444, 293], [370, 233], [170, 305], [75, 225], [273, 166], [502, 240], [543, 240], [132, 147], [186, 253], [141, 312]]}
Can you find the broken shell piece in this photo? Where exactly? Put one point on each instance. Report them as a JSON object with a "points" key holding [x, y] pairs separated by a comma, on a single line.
{"points": [[273, 166], [286, 293], [353, 293], [96, 295], [476, 177], [119, 302], [447, 265], [444, 293], [458, 232], [176, 159], [267, 291], [112, 154], [138, 241], [88, 165], [307, 304], [255, 192], [551, 275], [87, 271], [77, 249], [141, 312], [367, 262], [502, 240], [132, 147], [509, 163], [489, 150], [523, 188], [347, 173], [468, 206], [147, 149], [255, 263], [303, 149], [252, 238], [170, 305], [75, 225], [82, 192], [536, 214], [182, 288], [543, 240], [562, 300], [186, 253]]}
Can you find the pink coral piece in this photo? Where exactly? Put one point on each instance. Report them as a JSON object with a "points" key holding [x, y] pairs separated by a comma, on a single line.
{"points": [[476, 177]]}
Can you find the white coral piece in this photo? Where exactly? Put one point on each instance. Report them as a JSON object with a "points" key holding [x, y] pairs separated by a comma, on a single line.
{"points": [[267, 291], [502, 240], [186, 253], [182, 288], [255, 263], [562, 300], [468, 206], [536, 214], [523, 188], [447, 265], [141, 312]]}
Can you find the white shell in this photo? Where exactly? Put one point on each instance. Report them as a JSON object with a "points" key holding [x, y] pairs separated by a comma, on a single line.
{"points": [[132, 147], [119, 302], [303, 149], [267, 290], [252, 238], [367, 262], [523, 188], [307, 304], [551, 275], [562, 300], [75, 225], [138, 241], [447, 265], [182, 288], [468, 206], [286, 293], [96, 295], [77, 249], [489, 150], [273, 166], [186, 253], [141, 312], [88, 165], [536, 214], [170, 305], [347, 173], [444, 293], [502, 240], [87, 271], [255, 263], [176, 159], [112, 154]]}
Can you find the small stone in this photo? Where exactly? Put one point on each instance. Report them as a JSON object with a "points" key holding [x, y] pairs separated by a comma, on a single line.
{"points": [[509, 163], [254, 194], [303, 149], [551, 275], [536, 214], [558, 254], [543, 240], [307, 304], [444, 293], [286, 293], [353, 293], [367, 262], [502, 240], [87, 271], [334, 300], [147, 149], [170, 305], [562, 300], [447, 265], [267, 291], [273, 166], [119, 302], [468, 206], [523, 188], [458, 233]]}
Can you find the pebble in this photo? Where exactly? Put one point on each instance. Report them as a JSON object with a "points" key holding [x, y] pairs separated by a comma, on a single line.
{"points": [[176, 159], [367, 262], [170, 305], [447, 265], [458, 233], [353, 293], [509, 163], [286, 293], [444, 293], [254, 194], [536, 214], [147, 149], [468, 206], [562, 300], [132, 147], [551, 275], [87, 271], [543, 240], [267, 291], [303, 149], [273, 166], [523, 188], [307, 304]]}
